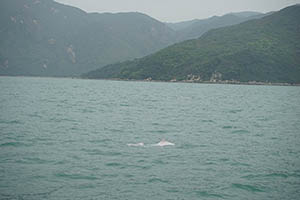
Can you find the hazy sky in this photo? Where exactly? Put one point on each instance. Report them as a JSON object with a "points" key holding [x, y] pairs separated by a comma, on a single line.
{"points": [[179, 10]]}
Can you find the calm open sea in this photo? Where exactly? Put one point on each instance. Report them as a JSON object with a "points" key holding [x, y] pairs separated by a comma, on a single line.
{"points": [[67, 139]]}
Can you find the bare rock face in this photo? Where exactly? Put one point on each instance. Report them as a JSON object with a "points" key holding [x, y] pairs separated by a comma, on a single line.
{"points": [[71, 53]]}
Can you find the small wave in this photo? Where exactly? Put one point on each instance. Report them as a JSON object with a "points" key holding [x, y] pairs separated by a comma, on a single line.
{"points": [[30, 195], [224, 159], [100, 141], [113, 164], [109, 175], [189, 146], [172, 190], [159, 131], [128, 175], [87, 110], [76, 176], [235, 111], [208, 121], [227, 127], [161, 162], [34, 115], [33, 161], [210, 163], [271, 175], [155, 180], [239, 164], [250, 188], [14, 144], [100, 152], [113, 130], [277, 174], [11, 122], [208, 194], [85, 186], [241, 131], [61, 120]]}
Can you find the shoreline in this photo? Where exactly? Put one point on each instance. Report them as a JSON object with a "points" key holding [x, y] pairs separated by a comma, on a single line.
{"points": [[200, 82], [170, 81]]}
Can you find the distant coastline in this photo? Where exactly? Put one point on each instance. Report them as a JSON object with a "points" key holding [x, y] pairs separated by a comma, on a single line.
{"points": [[226, 82]]}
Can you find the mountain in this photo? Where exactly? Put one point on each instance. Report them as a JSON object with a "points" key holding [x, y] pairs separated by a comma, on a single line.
{"points": [[46, 38], [195, 28], [265, 50], [178, 26]]}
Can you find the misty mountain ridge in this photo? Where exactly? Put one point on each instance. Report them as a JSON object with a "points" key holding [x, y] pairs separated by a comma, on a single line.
{"points": [[261, 50], [195, 28], [46, 38], [177, 26]]}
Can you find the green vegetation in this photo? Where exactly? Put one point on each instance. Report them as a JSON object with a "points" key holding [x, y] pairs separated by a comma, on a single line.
{"points": [[266, 50]]}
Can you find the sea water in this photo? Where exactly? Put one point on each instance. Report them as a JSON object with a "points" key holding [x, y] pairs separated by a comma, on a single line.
{"points": [[67, 139]]}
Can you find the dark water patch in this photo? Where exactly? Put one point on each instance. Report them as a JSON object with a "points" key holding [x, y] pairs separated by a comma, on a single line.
{"points": [[76, 176], [227, 127], [109, 175], [224, 160], [210, 163], [70, 141], [155, 124], [253, 176], [237, 163], [207, 121], [128, 175], [61, 120], [159, 131], [113, 164], [87, 110], [39, 177], [235, 111], [241, 131], [263, 119], [140, 167], [114, 130], [172, 190], [208, 194], [159, 162], [249, 188], [124, 105], [137, 166], [151, 100], [259, 135], [61, 162]]}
